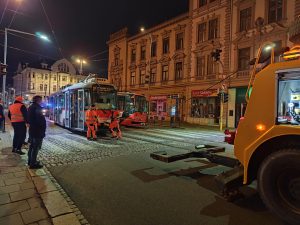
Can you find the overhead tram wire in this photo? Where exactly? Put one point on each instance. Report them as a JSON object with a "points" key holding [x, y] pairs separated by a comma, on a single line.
{"points": [[29, 52], [51, 27], [5, 8], [98, 60], [97, 54], [14, 15]]}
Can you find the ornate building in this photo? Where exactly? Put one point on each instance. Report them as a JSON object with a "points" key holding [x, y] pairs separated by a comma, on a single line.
{"points": [[172, 63], [44, 79]]}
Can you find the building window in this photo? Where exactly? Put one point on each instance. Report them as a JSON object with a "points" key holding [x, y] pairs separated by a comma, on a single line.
{"points": [[117, 59], [275, 10], [200, 66], [211, 66], [153, 75], [245, 19], [178, 71], [202, 3], [29, 86], [54, 87], [33, 74], [166, 45], [46, 76], [165, 73], [133, 55], [132, 78], [29, 75], [45, 87], [243, 59], [142, 77], [32, 86], [213, 29], [63, 78], [41, 87], [201, 32], [71, 80], [63, 67], [54, 78], [204, 107], [143, 52], [179, 41], [153, 49]]}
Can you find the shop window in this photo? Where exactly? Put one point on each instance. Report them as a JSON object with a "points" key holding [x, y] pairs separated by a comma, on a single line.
{"points": [[203, 107], [288, 103], [275, 10], [245, 19]]}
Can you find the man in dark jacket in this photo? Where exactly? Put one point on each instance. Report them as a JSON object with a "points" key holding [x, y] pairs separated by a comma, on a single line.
{"points": [[17, 113], [37, 130]]}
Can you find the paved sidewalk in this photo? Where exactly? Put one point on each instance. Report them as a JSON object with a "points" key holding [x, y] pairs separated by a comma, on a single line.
{"points": [[29, 196]]}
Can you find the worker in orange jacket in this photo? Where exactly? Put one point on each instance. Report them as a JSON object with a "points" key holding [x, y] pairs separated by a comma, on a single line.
{"points": [[17, 113], [114, 126], [91, 122]]}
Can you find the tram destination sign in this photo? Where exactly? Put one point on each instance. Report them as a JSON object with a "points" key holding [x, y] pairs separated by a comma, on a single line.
{"points": [[103, 88]]}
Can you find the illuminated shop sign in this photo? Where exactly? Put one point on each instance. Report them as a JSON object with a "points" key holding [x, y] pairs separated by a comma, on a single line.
{"points": [[204, 93]]}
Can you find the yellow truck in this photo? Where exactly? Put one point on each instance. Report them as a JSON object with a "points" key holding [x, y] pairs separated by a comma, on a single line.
{"points": [[267, 141]]}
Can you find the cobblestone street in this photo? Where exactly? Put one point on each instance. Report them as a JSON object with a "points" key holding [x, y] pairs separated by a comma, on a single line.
{"points": [[115, 182]]}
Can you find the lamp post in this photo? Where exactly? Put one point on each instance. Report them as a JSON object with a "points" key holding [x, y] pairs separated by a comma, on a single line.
{"points": [[39, 35], [81, 62]]}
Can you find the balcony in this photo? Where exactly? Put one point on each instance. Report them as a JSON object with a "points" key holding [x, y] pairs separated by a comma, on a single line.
{"points": [[294, 31], [243, 74]]}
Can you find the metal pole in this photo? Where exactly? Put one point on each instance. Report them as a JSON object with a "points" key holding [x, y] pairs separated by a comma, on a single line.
{"points": [[221, 110], [149, 75], [80, 67], [4, 61]]}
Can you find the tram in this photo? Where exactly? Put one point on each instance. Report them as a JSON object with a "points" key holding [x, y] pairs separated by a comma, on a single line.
{"points": [[134, 108], [68, 106]]}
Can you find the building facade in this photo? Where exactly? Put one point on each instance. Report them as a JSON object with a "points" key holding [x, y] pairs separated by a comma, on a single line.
{"points": [[172, 63], [44, 79]]}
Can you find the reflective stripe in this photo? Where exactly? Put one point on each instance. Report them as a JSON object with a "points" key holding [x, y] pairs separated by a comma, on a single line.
{"points": [[16, 113], [90, 117]]}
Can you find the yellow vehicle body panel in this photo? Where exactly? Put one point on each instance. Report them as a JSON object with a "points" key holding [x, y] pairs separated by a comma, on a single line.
{"points": [[259, 123]]}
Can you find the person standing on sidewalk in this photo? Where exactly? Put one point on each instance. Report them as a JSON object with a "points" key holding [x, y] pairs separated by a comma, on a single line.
{"points": [[2, 117], [37, 131], [17, 113]]}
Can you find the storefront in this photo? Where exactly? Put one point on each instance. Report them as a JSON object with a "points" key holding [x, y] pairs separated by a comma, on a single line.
{"points": [[158, 106], [205, 107], [236, 105]]}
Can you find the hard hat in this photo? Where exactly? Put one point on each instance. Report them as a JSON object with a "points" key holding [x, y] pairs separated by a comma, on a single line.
{"points": [[19, 99]]}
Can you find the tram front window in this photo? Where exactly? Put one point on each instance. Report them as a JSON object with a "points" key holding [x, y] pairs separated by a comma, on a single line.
{"points": [[104, 100]]}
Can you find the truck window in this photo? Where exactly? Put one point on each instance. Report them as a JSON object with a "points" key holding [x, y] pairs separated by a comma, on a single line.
{"points": [[288, 109]]}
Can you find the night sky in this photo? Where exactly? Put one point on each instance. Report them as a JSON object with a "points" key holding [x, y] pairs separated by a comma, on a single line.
{"points": [[82, 28]]}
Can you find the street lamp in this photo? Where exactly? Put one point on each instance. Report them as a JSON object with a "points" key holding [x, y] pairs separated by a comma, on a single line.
{"points": [[39, 35], [81, 62]]}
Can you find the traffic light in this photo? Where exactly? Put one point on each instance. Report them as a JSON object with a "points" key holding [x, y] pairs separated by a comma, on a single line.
{"points": [[3, 70], [147, 77], [216, 54], [225, 98]]}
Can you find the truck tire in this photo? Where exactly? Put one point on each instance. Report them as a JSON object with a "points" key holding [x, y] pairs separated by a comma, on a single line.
{"points": [[279, 184]]}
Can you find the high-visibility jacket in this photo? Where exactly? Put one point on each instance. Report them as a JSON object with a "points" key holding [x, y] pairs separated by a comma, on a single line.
{"points": [[90, 116], [16, 113]]}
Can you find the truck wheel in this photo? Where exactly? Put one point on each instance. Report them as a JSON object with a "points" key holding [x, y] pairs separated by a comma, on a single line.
{"points": [[279, 184]]}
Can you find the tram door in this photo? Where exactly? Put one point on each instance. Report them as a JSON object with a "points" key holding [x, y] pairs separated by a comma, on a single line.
{"points": [[67, 111], [81, 109]]}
